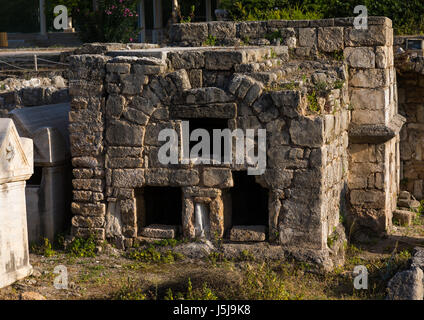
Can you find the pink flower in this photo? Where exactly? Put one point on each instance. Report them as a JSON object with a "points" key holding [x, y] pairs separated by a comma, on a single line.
{"points": [[131, 39]]}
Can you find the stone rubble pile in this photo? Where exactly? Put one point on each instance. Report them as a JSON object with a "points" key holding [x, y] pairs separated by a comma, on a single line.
{"points": [[17, 93]]}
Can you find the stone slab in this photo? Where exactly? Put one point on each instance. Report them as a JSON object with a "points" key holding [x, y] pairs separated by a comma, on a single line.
{"points": [[248, 233], [159, 231]]}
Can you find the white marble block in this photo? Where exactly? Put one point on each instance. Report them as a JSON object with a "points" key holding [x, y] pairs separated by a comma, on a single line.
{"points": [[16, 166]]}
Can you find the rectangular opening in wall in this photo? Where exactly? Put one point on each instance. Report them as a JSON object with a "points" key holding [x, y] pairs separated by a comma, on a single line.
{"points": [[159, 211], [209, 124], [249, 208]]}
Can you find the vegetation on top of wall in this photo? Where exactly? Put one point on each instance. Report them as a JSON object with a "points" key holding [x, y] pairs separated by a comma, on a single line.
{"points": [[406, 15], [252, 10]]}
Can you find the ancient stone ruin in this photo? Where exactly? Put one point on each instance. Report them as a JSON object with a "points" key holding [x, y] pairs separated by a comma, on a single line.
{"points": [[325, 93], [15, 168]]}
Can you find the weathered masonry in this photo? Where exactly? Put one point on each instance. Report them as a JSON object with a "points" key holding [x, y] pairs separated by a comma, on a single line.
{"points": [[411, 105], [325, 93], [15, 168]]}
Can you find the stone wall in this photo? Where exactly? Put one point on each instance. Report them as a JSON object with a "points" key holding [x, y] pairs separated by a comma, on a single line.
{"points": [[372, 94], [411, 105], [120, 104], [327, 98]]}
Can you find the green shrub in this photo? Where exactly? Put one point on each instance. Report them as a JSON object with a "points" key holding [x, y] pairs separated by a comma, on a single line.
{"points": [[261, 283], [205, 293], [406, 15], [130, 291], [115, 21], [82, 248], [251, 10], [313, 102], [151, 255], [43, 248], [210, 41]]}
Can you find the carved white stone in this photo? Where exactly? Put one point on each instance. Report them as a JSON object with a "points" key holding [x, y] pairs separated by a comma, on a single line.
{"points": [[16, 157]]}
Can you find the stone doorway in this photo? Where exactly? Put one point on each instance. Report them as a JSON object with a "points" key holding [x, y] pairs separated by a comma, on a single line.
{"points": [[249, 208], [159, 211]]}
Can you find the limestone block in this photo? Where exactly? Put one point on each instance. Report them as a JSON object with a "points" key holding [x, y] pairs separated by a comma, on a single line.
{"points": [[114, 106], [287, 102], [235, 82], [278, 178], [124, 134], [184, 177], [330, 39], [118, 67], [307, 37], [368, 198], [88, 222], [369, 78], [362, 57], [384, 57], [251, 29], [406, 285], [370, 99], [248, 233], [220, 110], [374, 35], [187, 59], [147, 103], [157, 176], [196, 78], [124, 178], [254, 92], [313, 137], [133, 83], [217, 177], [88, 209], [180, 80], [224, 60], [124, 162], [222, 30], [148, 70], [124, 152], [160, 231], [85, 162], [404, 217], [195, 33], [135, 116], [206, 96]]}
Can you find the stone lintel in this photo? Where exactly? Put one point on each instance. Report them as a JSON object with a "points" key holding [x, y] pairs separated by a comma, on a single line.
{"points": [[376, 133]]}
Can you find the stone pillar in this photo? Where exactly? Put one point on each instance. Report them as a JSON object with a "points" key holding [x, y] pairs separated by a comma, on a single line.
{"points": [[375, 127], [208, 10], [43, 30], [157, 21], [86, 130], [16, 166], [141, 21]]}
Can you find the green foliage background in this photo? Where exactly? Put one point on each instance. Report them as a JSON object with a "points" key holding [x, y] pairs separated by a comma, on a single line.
{"points": [[407, 15], [19, 16], [22, 15]]}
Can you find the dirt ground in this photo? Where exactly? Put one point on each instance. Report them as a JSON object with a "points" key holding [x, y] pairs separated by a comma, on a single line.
{"points": [[114, 274]]}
